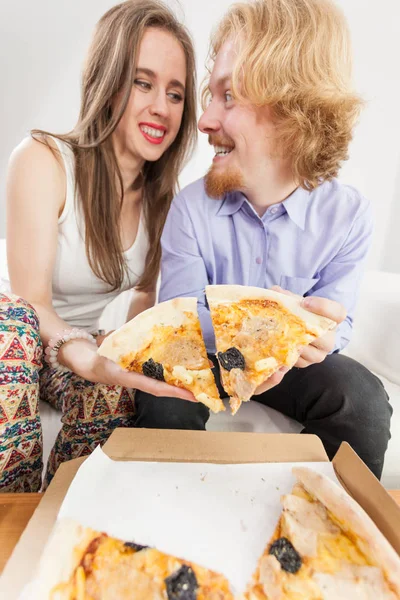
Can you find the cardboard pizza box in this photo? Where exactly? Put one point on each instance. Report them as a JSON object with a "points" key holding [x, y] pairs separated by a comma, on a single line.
{"points": [[200, 446]]}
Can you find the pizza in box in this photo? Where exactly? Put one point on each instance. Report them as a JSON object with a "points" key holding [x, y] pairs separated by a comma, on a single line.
{"points": [[325, 547]]}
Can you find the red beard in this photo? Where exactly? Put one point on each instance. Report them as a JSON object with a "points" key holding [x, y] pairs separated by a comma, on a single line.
{"points": [[219, 183]]}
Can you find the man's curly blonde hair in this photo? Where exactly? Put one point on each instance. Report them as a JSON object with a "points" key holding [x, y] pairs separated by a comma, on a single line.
{"points": [[295, 57]]}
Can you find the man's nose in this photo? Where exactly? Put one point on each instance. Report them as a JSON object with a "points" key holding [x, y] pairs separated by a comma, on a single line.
{"points": [[209, 121]]}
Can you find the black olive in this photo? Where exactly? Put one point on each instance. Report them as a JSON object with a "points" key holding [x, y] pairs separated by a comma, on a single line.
{"points": [[286, 554], [134, 546], [153, 369], [231, 359], [182, 585]]}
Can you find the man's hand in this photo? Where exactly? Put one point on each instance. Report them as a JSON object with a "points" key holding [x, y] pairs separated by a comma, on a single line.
{"points": [[317, 351], [271, 381]]}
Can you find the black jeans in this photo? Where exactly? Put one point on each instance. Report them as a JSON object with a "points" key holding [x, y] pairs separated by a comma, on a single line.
{"points": [[337, 400]]}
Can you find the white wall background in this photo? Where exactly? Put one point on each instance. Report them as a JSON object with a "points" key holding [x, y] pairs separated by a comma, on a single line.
{"points": [[43, 43]]}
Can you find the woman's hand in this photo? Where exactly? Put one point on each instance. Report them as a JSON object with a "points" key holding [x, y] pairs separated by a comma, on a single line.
{"points": [[81, 357], [100, 338]]}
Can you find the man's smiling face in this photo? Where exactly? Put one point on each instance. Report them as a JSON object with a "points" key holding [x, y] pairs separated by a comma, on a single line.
{"points": [[242, 135]]}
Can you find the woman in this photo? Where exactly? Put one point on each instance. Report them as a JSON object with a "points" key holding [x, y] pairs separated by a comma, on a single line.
{"points": [[85, 215]]}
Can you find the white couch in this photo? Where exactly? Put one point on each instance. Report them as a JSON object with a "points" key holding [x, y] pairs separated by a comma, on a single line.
{"points": [[375, 343]]}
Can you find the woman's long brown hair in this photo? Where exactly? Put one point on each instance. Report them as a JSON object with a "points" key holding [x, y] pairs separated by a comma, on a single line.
{"points": [[110, 69]]}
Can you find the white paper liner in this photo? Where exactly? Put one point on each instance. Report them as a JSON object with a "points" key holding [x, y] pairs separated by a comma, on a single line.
{"points": [[218, 516]]}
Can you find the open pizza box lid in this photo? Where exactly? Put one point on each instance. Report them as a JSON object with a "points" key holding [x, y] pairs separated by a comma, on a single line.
{"points": [[201, 447]]}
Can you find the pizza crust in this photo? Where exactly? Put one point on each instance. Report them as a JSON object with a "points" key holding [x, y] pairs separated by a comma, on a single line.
{"points": [[59, 561], [225, 294], [135, 334], [354, 520]]}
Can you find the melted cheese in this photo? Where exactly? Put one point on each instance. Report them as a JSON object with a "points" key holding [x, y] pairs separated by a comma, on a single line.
{"points": [[304, 522], [266, 363], [182, 374], [112, 571], [333, 567], [182, 353], [267, 335]]}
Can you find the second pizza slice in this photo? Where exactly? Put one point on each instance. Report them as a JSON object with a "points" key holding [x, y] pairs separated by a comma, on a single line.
{"points": [[325, 547], [165, 343], [258, 331]]}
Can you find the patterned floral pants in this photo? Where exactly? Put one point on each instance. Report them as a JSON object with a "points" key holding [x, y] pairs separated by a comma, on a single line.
{"points": [[90, 412]]}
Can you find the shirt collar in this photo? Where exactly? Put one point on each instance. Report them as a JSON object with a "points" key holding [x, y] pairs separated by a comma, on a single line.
{"points": [[295, 205], [231, 204]]}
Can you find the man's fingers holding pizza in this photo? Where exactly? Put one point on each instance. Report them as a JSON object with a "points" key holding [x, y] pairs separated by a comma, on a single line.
{"points": [[271, 381], [317, 351], [321, 306], [277, 288], [325, 307], [325, 343], [309, 356]]}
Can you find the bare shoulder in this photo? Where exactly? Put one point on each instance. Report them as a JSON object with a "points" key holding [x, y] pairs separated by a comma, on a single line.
{"points": [[36, 171], [38, 152]]}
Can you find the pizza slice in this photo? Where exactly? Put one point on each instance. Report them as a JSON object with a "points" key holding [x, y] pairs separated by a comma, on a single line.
{"points": [[165, 343], [325, 547], [82, 564], [257, 332]]}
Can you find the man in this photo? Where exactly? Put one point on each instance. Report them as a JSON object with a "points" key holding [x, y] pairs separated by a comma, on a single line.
{"points": [[270, 211]]}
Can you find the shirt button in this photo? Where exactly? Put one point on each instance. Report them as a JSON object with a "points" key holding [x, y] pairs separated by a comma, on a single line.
{"points": [[259, 260], [274, 210]]}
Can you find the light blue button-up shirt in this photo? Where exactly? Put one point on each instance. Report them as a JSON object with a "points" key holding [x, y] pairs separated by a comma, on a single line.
{"points": [[312, 243]]}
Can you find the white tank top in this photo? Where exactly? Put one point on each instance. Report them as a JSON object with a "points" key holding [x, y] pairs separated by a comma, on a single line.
{"points": [[79, 297]]}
